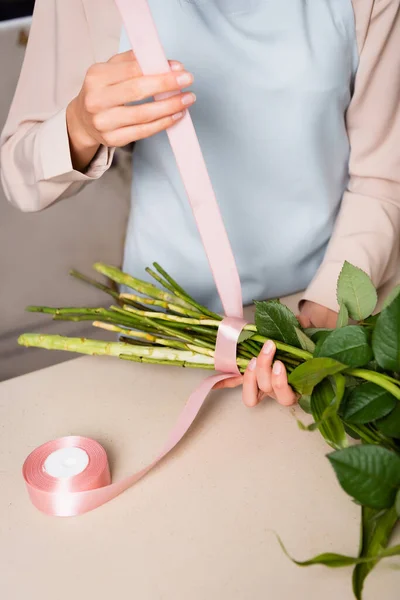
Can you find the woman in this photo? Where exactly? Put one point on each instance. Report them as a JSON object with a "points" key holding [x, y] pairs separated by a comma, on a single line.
{"points": [[298, 116]]}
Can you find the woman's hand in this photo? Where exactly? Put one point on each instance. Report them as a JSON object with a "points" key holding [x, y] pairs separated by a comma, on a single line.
{"points": [[263, 377], [99, 115], [266, 377], [315, 315]]}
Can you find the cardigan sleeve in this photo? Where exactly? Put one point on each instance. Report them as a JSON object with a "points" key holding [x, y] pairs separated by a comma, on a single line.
{"points": [[367, 230], [36, 166]]}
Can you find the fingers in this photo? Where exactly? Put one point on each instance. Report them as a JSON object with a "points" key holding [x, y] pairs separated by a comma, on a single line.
{"points": [[264, 367], [119, 68], [108, 105], [124, 116], [265, 377], [141, 88], [122, 67], [127, 56], [130, 57], [176, 65], [281, 388], [250, 385], [126, 135]]}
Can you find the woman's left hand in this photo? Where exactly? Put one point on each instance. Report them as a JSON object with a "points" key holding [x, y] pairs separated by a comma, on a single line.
{"points": [[266, 377]]}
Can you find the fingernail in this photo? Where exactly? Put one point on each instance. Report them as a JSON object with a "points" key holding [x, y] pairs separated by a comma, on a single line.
{"points": [[177, 116], [176, 66], [268, 347], [185, 79], [252, 364], [277, 368], [188, 99]]}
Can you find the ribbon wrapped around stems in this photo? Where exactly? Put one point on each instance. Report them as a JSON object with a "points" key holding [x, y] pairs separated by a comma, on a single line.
{"points": [[71, 476]]}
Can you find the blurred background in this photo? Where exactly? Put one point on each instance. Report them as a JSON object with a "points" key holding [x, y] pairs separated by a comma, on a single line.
{"points": [[37, 250]]}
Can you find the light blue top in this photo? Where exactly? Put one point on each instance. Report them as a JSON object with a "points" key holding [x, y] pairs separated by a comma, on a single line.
{"points": [[273, 80]]}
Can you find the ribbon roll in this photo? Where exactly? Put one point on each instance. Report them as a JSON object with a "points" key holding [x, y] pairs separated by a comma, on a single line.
{"points": [[70, 476], [58, 492], [57, 471]]}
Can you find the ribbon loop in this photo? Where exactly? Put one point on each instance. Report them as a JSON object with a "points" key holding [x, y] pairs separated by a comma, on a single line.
{"points": [[226, 347]]}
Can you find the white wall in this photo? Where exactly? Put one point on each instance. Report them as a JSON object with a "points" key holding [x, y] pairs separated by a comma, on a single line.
{"points": [[37, 250]]}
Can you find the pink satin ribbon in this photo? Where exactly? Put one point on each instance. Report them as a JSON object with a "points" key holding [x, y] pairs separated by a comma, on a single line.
{"points": [[150, 55], [92, 488], [226, 346]]}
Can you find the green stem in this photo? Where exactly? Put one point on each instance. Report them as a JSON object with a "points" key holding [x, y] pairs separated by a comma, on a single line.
{"points": [[94, 283], [174, 284], [376, 378], [143, 287], [292, 350], [160, 280], [141, 335], [253, 346], [370, 435], [303, 354], [131, 341], [171, 331], [388, 378], [174, 318], [174, 363], [116, 319], [365, 434], [140, 300], [180, 292], [48, 310], [102, 348]]}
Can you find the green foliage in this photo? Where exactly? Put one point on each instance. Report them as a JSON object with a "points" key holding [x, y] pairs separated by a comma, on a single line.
{"points": [[348, 345], [376, 528], [305, 342], [307, 375], [368, 402], [274, 320], [305, 403], [368, 473], [356, 291], [390, 425], [386, 337], [367, 557], [325, 401], [316, 334], [397, 503], [343, 316]]}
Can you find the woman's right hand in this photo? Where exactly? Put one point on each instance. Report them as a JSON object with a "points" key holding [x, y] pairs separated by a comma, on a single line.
{"points": [[99, 115]]}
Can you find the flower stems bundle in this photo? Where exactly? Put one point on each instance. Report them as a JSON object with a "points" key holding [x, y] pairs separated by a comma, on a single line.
{"points": [[348, 377]]}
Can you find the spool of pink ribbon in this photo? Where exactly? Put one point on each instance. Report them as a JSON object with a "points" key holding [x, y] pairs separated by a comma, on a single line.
{"points": [[71, 476]]}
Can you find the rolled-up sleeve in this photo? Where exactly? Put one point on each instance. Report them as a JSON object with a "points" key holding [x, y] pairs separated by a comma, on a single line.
{"points": [[36, 166], [367, 230]]}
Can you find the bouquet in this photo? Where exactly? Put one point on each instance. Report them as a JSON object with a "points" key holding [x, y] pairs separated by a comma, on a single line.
{"points": [[348, 377]]}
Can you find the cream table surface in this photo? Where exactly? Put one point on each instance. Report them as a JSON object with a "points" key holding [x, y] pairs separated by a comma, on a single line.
{"points": [[199, 525]]}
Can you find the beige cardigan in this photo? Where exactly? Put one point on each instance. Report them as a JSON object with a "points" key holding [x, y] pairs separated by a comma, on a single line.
{"points": [[68, 36]]}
